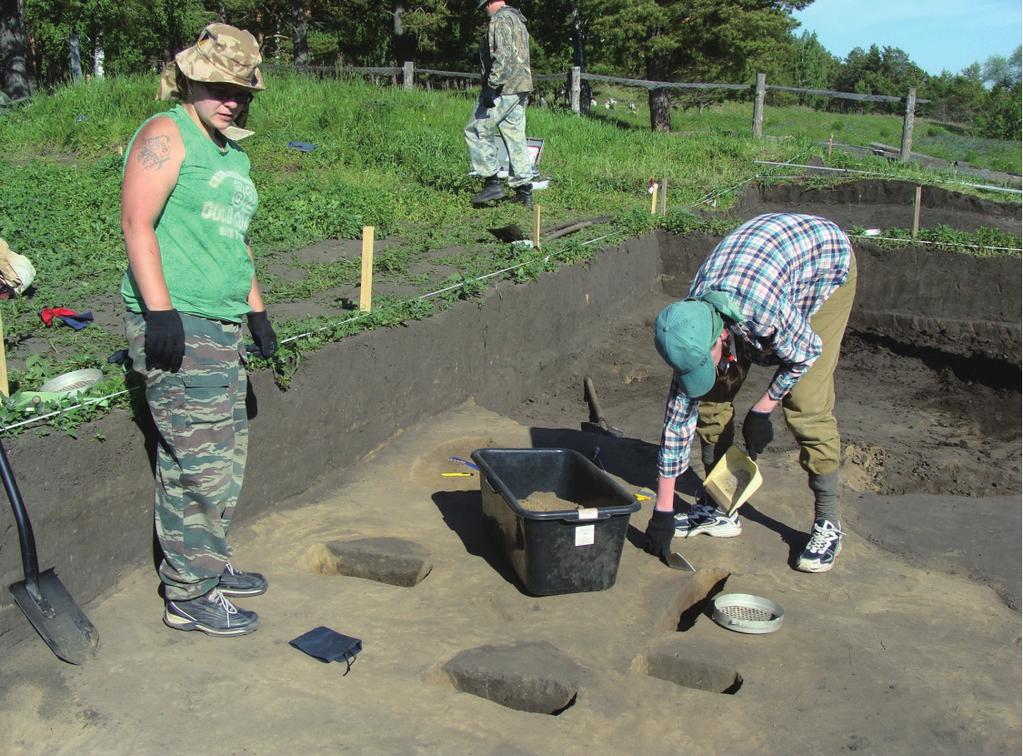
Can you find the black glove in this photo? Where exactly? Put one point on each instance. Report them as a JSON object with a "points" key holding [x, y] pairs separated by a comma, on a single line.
{"points": [[489, 96], [659, 532], [165, 340], [757, 431], [262, 333]]}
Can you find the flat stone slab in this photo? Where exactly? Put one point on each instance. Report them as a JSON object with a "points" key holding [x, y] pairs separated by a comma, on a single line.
{"points": [[673, 663], [527, 676], [387, 560]]}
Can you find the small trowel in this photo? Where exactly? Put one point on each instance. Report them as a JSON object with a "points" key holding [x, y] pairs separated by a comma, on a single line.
{"points": [[678, 562]]}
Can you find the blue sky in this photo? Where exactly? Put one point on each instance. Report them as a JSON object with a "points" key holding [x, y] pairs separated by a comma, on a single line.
{"points": [[937, 34]]}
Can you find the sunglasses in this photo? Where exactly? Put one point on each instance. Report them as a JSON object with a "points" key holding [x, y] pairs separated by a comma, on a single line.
{"points": [[228, 93]]}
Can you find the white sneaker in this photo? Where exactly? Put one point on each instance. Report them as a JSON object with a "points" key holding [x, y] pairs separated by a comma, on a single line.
{"points": [[823, 547], [703, 517]]}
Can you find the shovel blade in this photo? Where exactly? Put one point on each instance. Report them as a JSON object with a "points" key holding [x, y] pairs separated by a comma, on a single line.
{"points": [[56, 617]]}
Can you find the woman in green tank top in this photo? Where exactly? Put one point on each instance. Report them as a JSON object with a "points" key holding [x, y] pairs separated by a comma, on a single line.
{"points": [[186, 203]]}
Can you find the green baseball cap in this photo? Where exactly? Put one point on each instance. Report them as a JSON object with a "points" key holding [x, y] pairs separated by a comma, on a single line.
{"points": [[481, 3], [683, 334]]}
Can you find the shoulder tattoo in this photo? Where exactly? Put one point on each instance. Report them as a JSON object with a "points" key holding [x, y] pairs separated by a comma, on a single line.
{"points": [[155, 152]]}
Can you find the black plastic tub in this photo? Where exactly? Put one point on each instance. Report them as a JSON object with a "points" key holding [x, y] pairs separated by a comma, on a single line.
{"points": [[565, 551]]}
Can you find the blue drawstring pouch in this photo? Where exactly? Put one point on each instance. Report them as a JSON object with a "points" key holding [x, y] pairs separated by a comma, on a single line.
{"points": [[302, 146], [328, 645]]}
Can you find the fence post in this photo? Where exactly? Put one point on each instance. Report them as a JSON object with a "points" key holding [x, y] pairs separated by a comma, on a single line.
{"points": [[907, 126], [408, 75], [758, 106], [576, 87]]}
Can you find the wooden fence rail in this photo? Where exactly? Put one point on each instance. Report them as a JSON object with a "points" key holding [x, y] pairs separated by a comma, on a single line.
{"points": [[576, 76], [644, 84]]}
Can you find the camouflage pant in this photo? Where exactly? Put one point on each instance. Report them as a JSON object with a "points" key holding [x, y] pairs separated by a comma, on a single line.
{"points": [[507, 117], [200, 415]]}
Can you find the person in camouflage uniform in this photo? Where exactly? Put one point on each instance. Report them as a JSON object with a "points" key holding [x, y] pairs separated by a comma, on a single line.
{"points": [[501, 107], [186, 203]]}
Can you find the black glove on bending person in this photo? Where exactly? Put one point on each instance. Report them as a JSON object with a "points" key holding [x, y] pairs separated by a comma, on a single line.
{"points": [[165, 340], [262, 333], [659, 532], [489, 96], [757, 432]]}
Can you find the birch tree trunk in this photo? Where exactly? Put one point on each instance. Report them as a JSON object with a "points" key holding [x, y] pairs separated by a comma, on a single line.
{"points": [[401, 44], [76, 58], [299, 33], [98, 56]]}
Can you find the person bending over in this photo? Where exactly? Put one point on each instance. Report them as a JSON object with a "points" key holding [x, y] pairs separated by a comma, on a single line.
{"points": [[781, 286]]}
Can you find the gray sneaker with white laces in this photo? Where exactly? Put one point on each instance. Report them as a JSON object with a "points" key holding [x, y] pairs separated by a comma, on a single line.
{"points": [[822, 548], [237, 583], [705, 518], [211, 613]]}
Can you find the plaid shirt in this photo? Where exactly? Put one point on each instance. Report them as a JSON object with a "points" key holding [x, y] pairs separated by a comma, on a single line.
{"points": [[778, 269]]}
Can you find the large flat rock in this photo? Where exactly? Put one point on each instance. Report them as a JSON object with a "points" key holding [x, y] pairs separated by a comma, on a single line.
{"points": [[528, 676]]}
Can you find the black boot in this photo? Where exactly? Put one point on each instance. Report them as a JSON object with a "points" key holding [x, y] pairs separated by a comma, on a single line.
{"points": [[524, 195], [493, 189]]}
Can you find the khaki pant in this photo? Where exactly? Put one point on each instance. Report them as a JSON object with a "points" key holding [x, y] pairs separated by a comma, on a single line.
{"points": [[809, 407]]}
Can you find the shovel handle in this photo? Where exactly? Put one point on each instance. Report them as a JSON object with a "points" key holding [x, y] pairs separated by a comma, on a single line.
{"points": [[29, 560], [596, 413]]}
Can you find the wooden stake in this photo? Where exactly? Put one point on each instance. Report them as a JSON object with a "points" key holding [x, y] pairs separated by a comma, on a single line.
{"points": [[536, 227], [916, 213], [4, 388], [366, 284], [664, 196], [831, 143], [653, 199]]}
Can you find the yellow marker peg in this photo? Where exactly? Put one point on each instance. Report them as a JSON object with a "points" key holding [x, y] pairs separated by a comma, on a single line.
{"points": [[456, 475]]}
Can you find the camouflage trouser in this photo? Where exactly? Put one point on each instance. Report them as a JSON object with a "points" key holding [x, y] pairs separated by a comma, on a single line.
{"points": [[809, 407], [507, 117], [200, 415]]}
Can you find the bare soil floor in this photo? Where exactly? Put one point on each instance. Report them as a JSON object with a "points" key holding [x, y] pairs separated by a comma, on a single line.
{"points": [[911, 645]]}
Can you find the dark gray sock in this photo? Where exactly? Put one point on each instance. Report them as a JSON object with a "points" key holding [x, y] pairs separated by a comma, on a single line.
{"points": [[825, 493], [708, 457]]}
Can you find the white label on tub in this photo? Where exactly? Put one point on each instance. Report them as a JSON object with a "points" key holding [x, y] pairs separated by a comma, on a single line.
{"points": [[584, 535], [590, 513]]}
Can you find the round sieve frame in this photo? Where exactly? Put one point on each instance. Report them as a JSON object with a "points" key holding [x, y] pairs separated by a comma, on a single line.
{"points": [[746, 613], [73, 383]]}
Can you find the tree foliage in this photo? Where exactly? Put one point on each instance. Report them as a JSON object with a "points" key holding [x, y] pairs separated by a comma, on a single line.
{"points": [[726, 41]]}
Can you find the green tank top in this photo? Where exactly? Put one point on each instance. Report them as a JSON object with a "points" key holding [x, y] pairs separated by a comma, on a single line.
{"points": [[202, 229]]}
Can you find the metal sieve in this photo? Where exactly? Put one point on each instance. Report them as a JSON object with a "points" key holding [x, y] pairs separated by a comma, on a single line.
{"points": [[72, 383], [745, 613]]}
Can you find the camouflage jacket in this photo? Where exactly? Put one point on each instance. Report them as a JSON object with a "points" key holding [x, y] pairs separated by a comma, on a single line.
{"points": [[504, 53]]}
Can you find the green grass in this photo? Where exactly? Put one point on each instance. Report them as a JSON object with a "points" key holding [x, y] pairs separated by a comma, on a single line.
{"points": [[735, 118], [385, 157]]}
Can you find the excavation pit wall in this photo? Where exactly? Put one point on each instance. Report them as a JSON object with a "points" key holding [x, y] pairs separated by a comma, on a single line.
{"points": [[91, 500]]}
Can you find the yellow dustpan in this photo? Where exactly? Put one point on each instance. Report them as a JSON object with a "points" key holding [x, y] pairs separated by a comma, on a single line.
{"points": [[734, 479]]}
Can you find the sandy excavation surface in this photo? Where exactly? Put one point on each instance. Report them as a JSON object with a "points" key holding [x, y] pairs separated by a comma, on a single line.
{"points": [[912, 644], [880, 656]]}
